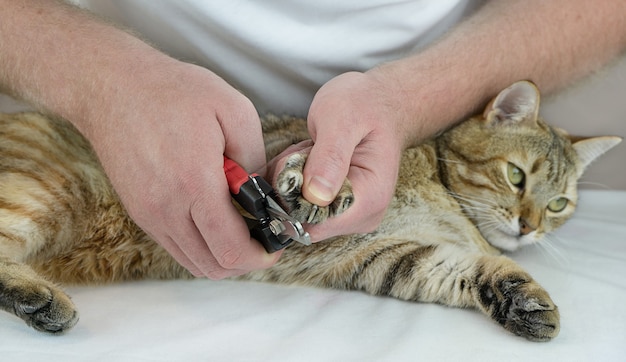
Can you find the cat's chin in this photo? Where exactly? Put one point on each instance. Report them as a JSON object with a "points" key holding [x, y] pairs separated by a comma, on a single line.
{"points": [[507, 242]]}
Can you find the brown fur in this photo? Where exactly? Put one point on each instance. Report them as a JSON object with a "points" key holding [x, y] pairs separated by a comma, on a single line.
{"points": [[454, 206]]}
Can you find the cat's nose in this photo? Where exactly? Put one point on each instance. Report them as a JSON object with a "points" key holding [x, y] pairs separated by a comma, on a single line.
{"points": [[524, 227]]}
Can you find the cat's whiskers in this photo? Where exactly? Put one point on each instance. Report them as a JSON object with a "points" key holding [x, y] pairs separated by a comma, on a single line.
{"points": [[591, 183], [472, 203], [488, 225], [450, 161], [550, 251], [474, 200], [480, 209], [483, 218]]}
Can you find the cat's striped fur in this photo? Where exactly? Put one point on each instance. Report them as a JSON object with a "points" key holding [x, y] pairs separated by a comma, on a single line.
{"points": [[457, 197]]}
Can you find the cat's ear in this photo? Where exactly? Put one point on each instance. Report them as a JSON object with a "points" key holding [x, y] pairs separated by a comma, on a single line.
{"points": [[589, 149], [518, 104]]}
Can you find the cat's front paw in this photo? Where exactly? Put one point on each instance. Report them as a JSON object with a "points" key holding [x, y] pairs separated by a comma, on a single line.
{"points": [[523, 307], [47, 309], [289, 188]]}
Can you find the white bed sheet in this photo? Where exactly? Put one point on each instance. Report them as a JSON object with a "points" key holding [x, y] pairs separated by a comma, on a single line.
{"points": [[203, 320]]}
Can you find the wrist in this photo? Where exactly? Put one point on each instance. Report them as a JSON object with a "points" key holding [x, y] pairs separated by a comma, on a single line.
{"points": [[427, 96]]}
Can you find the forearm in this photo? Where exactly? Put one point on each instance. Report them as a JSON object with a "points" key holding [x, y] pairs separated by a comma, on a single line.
{"points": [[548, 42], [67, 62]]}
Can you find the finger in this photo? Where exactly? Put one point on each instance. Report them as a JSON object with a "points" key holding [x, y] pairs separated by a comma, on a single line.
{"points": [[373, 177], [204, 264], [214, 262], [243, 136], [363, 216], [229, 238], [176, 252], [327, 165], [196, 255]]}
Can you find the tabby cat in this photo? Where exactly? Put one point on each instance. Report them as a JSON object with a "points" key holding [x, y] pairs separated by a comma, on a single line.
{"points": [[497, 181]]}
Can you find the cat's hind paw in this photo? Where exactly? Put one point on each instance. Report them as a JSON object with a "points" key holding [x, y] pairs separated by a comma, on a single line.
{"points": [[46, 309], [289, 189]]}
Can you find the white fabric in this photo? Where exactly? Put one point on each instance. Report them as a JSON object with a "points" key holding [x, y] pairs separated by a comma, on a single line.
{"points": [[280, 52], [203, 320]]}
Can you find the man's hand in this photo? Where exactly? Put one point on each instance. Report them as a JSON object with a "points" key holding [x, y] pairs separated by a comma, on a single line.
{"points": [[356, 129], [160, 127], [163, 151]]}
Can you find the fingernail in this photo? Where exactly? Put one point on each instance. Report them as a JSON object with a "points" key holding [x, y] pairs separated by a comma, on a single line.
{"points": [[320, 189]]}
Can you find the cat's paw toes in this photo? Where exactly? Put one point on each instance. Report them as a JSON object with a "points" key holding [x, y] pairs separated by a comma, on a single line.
{"points": [[532, 314], [526, 309], [289, 182], [46, 309], [289, 188]]}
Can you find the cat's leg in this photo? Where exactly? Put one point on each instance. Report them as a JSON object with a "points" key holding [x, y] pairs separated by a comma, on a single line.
{"points": [[41, 304], [512, 298], [289, 188], [442, 273], [23, 292], [446, 274]]}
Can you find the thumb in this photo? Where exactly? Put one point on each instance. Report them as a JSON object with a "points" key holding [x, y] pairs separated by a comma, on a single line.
{"points": [[325, 170]]}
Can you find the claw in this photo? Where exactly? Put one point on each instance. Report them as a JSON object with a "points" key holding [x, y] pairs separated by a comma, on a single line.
{"points": [[313, 213]]}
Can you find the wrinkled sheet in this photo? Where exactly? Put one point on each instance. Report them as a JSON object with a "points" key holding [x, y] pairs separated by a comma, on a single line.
{"points": [[584, 269]]}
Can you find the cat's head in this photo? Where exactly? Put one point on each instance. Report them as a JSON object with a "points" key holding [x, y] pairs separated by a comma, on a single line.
{"points": [[515, 176]]}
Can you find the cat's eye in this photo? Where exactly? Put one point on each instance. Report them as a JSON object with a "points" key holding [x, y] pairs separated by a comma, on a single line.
{"points": [[516, 176], [558, 204]]}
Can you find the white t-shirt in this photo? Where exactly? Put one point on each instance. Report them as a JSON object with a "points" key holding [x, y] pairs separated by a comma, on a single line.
{"points": [[279, 52]]}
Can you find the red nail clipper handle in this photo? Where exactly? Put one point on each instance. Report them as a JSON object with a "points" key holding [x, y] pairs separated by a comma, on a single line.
{"points": [[236, 176], [251, 191]]}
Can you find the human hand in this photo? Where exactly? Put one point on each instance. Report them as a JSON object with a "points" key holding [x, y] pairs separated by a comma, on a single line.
{"points": [[357, 129], [162, 147]]}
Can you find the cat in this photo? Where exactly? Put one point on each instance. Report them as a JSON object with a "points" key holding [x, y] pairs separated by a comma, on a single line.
{"points": [[497, 181]]}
